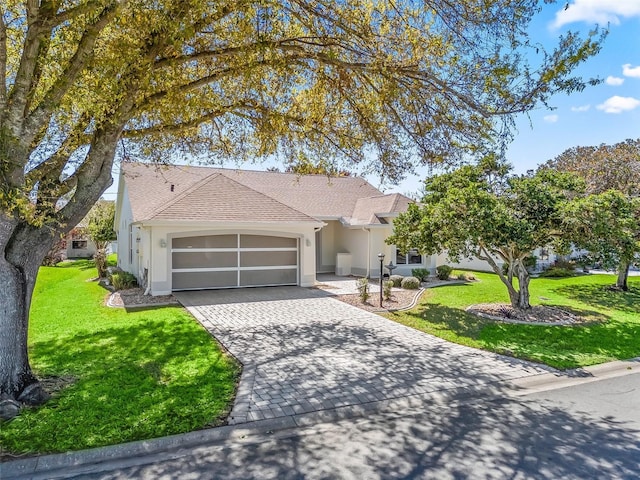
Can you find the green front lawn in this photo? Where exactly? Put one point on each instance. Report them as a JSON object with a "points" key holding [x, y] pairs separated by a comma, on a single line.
{"points": [[127, 375], [613, 334]]}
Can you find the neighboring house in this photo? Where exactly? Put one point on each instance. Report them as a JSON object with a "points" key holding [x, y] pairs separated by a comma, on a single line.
{"points": [[77, 243], [185, 228]]}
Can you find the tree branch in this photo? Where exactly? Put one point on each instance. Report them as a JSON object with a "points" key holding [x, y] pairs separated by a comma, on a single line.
{"points": [[84, 52], [3, 62]]}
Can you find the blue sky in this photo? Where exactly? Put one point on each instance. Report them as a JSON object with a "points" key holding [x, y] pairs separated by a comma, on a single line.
{"points": [[607, 113]]}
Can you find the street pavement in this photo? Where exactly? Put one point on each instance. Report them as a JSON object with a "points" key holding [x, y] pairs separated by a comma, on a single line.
{"points": [[583, 425]]}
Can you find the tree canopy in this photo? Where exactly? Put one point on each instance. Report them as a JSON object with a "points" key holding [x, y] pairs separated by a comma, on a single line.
{"points": [[373, 82], [608, 226], [100, 227], [485, 212], [604, 167]]}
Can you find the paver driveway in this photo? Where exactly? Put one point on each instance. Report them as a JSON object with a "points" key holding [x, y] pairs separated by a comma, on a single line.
{"points": [[303, 351]]}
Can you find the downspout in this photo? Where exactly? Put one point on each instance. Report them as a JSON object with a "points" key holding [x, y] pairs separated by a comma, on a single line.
{"points": [[368, 230], [148, 289]]}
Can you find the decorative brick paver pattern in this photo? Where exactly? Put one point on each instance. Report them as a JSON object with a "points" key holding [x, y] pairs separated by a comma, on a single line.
{"points": [[303, 351]]}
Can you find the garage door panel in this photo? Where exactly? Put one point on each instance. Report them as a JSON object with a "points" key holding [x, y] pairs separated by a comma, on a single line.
{"points": [[268, 259], [233, 260], [265, 241], [253, 278], [205, 260], [207, 241], [197, 280]]}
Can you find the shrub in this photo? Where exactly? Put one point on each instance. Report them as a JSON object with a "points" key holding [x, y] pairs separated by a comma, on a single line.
{"points": [[362, 284], [555, 272], [386, 289], [564, 264], [396, 280], [420, 273], [466, 276], [443, 272], [410, 283], [123, 280]]}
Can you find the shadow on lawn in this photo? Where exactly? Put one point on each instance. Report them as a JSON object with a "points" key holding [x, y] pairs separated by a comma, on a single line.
{"points": [[133, 382], [603, 296], [443, 317]]}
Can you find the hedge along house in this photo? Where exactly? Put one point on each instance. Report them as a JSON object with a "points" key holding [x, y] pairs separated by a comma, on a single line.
{"points": [[188, 228]]}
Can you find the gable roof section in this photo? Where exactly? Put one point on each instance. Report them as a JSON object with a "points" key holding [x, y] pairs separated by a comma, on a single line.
{"points": [[374, 210], [315, 195], [176, 192], [219, 198]]}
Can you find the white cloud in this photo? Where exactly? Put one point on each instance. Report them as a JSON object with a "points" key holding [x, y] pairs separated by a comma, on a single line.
{"points": [[550, 118], [581, 108], [629, 71], [618, 104], [614, 81], [597, 11]]}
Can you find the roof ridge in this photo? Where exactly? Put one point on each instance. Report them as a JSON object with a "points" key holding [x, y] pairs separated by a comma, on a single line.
{"points": [[182, 195], [268, 196]]}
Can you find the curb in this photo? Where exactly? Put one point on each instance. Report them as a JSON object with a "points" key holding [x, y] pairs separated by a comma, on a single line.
{"points": [[144, 452], [568, 378]]}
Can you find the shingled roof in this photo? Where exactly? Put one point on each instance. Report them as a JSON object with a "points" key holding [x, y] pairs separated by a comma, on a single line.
{"points": [[217, 194]]}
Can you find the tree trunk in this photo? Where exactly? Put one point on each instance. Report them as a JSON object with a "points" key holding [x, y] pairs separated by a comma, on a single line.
{"points": [[18, 274], [522, 302], [623, 273]]}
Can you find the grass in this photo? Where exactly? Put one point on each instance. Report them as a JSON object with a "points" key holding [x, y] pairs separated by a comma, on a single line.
{"points": [[129, 375], [613, 334]]}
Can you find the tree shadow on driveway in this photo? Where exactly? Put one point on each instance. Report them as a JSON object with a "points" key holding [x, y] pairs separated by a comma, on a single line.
{"points": [[484, 439]]}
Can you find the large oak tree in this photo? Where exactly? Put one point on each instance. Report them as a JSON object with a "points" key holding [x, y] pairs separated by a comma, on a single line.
{"points": [[84, 83]]}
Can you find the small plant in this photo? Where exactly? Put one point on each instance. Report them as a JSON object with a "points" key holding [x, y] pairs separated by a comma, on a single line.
{"points": [[362, 284], [386, 289], [466, 276], [123, 280], [443, 272], [564, 264], [555, 272], [396, 280], [420, 273], [410, 283]]}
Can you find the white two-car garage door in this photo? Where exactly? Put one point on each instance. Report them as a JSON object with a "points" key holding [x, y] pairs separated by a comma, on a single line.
{"points": [[233, 260]]}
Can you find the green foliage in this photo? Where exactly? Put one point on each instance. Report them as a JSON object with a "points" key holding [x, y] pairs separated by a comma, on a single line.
{"points": [[123, 280], [362, 284], [613, 335], [484, 211], [410, 283], [387, 285], [126, 375], [396, 280], [421, 273], [466, 276], [100, 224], [605, 167], [443, 272], [558, 272], [608, 226]]}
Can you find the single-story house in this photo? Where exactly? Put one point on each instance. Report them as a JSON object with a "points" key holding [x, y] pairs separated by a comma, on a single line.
{"points": [[191, 227]]}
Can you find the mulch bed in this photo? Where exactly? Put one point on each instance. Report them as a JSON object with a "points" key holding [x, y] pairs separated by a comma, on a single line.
{"points": [[537, 315], [135, 297], [399, 299]]}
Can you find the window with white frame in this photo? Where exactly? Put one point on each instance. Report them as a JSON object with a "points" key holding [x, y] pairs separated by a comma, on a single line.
{"points": [[412, 257]]}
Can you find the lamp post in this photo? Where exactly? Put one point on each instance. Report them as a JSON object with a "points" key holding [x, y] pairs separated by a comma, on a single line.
{"points": [[381, 258]]}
